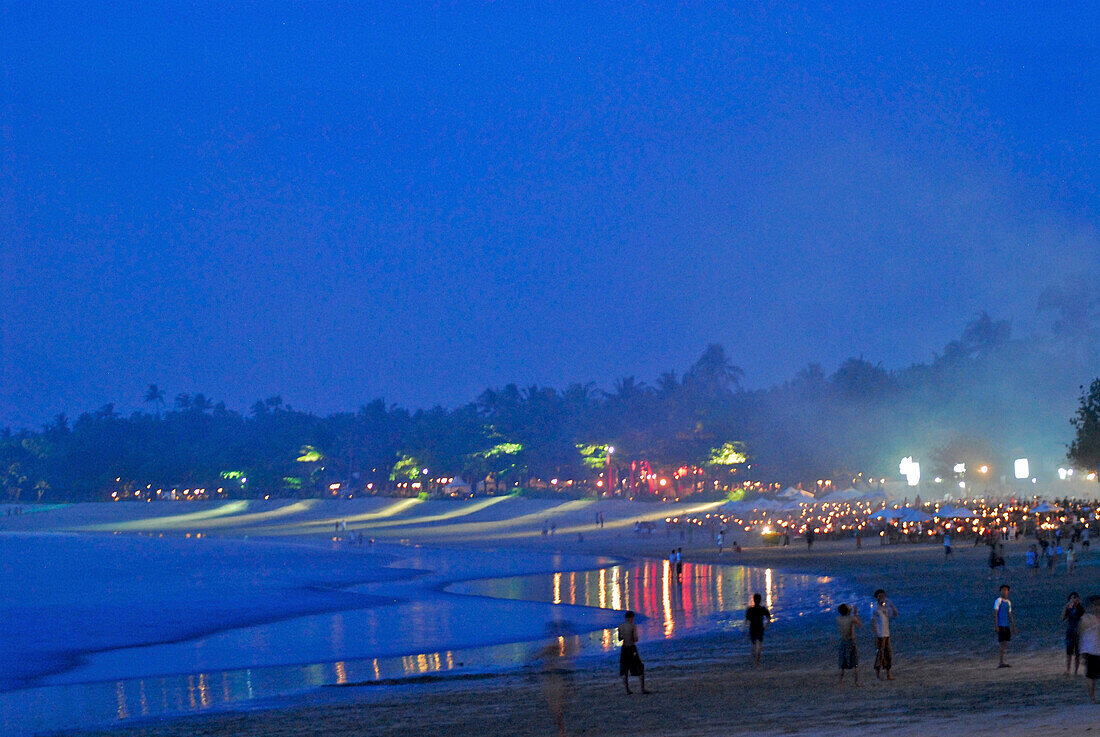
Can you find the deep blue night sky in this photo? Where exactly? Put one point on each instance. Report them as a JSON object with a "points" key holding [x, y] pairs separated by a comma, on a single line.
{"points": [[336, 202]]}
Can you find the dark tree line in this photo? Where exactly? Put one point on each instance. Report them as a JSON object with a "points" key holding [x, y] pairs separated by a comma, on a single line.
{"points": [[988, 396]]}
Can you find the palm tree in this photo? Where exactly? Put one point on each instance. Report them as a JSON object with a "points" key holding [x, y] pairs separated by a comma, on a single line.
{"points": [[714, 374], [199, 403], [155, 395]]}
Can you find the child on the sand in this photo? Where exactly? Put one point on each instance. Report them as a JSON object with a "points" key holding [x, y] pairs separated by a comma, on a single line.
{"points": [[848, 654], [1004, 622]]}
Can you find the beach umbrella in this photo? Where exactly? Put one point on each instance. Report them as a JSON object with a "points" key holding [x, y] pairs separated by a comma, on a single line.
{"points": [[914, 515], [1044, 508], [872, 496], [960, 513], [887, 514]]}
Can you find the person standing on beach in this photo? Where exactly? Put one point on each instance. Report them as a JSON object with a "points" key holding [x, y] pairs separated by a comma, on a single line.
{"points": [[946, 545], [1004, 622], [1071, 615], [630, 663], [882, 611], [555, 665], [758, 618], [1089, 629], [848, 655]]}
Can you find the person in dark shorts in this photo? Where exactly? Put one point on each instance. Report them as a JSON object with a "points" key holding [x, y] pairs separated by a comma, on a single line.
{"points": [[1089, 630], [630, 663], [848, 655], [996, 558], [1071, 615], [1004, 622], [758, 618]]}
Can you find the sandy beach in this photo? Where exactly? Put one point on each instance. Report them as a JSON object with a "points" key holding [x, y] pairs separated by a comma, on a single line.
{"points": [[947, 680]]}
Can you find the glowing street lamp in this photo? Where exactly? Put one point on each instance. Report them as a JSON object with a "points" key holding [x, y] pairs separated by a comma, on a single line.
{"points": [[910, 469], [1021, 468], [610, 481]]}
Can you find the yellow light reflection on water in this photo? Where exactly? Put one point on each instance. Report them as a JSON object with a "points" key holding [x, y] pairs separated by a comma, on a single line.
{"points": [[666, 598], [769, 589], [120, 695], [557, 588]]}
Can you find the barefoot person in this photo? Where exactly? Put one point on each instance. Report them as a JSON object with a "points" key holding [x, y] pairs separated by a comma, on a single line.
{"points": [[555, 664], [1004, 622], [848, 655], [630, 664], [1090, 643], [882, 611], [1071, 615], [758, 618]]}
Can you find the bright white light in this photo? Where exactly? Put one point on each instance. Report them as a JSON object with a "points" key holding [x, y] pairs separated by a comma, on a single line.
{"points": [[962, 484], [938, 480], [910, 469], [1022, 468], [610, 449], [1062, 473], [959, 468]]}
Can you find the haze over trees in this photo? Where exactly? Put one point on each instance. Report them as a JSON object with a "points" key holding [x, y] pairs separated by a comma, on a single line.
{"points": [[987, 398]]}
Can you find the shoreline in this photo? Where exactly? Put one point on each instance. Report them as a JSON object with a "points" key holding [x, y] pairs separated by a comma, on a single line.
{"points": [[947, 680]]}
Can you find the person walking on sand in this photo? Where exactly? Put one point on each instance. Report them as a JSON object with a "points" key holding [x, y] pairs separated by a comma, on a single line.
{"points": [[630, 663], [758, 618], [882, 611], [1089, 629], [848, 655], [1071, 615], [1004, 622], [555, 665]]}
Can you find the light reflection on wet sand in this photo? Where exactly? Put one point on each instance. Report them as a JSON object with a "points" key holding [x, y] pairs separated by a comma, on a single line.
{"points": [[705, 598]]}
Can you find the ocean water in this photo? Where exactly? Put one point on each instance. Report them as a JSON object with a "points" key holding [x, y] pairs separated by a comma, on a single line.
{"points": [[101, 630]]}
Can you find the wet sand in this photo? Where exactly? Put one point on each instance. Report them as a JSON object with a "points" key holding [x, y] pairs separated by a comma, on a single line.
{"points": [[946, 682]]}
